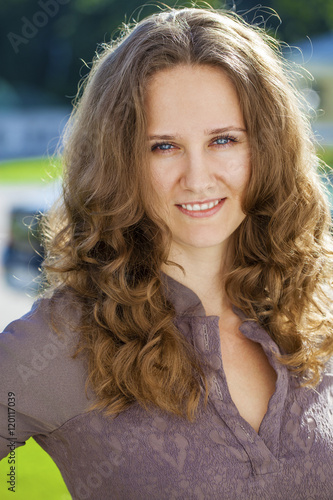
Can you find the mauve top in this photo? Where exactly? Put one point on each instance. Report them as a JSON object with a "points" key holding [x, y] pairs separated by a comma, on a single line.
{"points": [[140, 455]]}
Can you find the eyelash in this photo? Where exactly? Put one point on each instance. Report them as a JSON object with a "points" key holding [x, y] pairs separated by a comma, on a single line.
{"points": [[228, 137]]}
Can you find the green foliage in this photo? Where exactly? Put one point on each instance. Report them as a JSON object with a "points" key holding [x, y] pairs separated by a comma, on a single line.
{"points": [[46, 66], [303, 18]]}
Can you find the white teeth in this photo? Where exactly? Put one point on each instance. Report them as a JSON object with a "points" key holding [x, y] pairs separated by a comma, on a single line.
{"points": [[203, 206]]}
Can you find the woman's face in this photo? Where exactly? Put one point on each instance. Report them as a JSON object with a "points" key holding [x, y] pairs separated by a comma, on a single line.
{"points": [[199, 154]]}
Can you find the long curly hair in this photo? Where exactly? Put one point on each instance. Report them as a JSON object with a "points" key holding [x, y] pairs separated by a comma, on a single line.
{"points": [[106, 243]]}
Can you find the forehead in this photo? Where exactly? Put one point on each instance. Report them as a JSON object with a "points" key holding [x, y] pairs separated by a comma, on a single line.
{"points": [[184, 94]]}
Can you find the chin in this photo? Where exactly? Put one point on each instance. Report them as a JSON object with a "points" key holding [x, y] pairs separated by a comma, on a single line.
{"points": [[202, 241]]}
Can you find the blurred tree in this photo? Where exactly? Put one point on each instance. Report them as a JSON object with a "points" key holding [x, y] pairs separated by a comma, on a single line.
{"points": [[44, 42], [303, 18], [298, 18]]}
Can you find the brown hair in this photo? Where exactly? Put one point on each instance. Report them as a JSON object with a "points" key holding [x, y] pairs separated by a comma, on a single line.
{"points": [[106, 244]]}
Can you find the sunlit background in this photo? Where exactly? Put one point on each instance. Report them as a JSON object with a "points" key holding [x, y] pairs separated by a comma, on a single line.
{"points": [[46, 48]]}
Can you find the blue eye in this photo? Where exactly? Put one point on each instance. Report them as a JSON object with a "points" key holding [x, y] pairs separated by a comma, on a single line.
{"points": [[162, 146], [224, 140]]}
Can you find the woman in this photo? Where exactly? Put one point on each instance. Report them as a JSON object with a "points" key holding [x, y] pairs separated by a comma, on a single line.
{"points": [[191, 271]]}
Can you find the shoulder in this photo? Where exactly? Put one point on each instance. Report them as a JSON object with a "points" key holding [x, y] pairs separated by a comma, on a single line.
{"points": [[43, 338], [37, 366], [328, 370], [324, 389]]}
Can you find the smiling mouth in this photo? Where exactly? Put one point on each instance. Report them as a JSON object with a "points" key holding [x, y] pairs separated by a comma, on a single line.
{"points": [[200, 207]]}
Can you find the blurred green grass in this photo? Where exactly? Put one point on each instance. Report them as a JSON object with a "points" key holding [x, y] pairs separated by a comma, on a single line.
{"points": [[37, 476], [30, 170]]}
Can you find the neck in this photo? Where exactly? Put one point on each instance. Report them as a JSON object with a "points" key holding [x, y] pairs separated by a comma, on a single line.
{"points": [[204, 270]]}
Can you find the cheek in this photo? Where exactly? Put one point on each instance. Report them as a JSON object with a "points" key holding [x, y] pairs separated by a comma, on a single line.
{"points": [[162, 185], [163, 180], [237, 175]]}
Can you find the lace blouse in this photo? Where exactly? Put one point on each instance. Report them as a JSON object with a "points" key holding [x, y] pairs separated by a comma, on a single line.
{"points": [[140, 455]]}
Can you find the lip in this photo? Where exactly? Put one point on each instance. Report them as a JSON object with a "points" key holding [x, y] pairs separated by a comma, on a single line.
{"points": [[201, 213], [198, 202]]}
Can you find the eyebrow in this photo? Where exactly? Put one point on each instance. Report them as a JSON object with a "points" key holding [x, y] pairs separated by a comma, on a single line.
{"points": [[214, 131]]}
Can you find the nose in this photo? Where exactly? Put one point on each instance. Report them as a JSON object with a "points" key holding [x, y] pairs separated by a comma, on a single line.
{"points": [[197, 175]]}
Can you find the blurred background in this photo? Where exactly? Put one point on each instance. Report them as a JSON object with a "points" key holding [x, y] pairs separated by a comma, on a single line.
{"points": [[46, 47]]}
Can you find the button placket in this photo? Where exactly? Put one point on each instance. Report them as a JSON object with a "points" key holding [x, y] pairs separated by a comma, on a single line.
{"points": [[261, 458], [208, 348], [247, 434], [217, 388], [205, 336]]}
